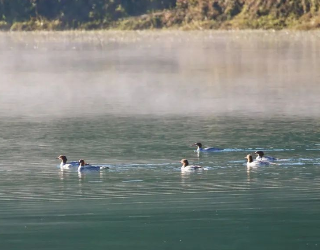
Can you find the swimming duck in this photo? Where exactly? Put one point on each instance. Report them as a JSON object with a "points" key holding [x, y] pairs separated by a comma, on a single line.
{"points": [[201, 149], [186, 167], [251, 163], [261, 157], [84, 167], [64, 164]]}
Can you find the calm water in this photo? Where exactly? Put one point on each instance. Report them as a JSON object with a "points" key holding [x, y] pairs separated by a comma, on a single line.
{"points": [[135, 102]]}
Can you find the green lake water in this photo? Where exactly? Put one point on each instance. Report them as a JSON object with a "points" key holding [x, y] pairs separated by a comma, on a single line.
{"points": [[136, 102]]}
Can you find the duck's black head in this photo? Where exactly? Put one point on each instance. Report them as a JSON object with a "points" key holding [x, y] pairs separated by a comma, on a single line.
{"points": [[184, 162], [260, 153], [62, 158]]}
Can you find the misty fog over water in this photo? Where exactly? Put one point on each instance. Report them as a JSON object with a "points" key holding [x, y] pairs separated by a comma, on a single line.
{"points": [[169, 72]]}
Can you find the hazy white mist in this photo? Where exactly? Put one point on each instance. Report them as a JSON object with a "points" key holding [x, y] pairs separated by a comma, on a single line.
{"points": [[206, 73]]}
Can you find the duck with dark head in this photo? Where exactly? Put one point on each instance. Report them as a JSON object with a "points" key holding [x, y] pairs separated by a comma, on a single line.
{"points": [[262, 157], [186, 167], [86, 167], [64, 164], [200, 148]]}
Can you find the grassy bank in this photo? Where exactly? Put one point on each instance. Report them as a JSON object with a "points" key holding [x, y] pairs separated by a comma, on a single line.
{"points": [[190, 15], [232, 14]]}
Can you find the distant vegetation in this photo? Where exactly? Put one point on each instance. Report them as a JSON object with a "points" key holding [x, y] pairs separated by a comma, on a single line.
{"points": [[158, 14]]}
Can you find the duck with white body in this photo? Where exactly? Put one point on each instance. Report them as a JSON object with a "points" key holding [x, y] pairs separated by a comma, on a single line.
{"points": [[85, 167], [262, 157], [65, 165], [252, 163], [186, 167]]}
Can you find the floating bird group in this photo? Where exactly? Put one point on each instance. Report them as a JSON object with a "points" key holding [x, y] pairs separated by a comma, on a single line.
{"points": [[261, 159], [82, 166]]}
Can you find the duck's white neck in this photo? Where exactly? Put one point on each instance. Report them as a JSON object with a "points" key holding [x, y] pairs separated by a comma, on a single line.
{"points": [[81, 165], [199, 149], [250, 160]]}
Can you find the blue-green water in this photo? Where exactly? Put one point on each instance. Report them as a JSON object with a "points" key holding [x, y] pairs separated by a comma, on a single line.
{"points": [[136, 102]]}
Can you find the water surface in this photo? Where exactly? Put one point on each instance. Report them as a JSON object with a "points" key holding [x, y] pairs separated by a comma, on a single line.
{"points": [[136, 101]]}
